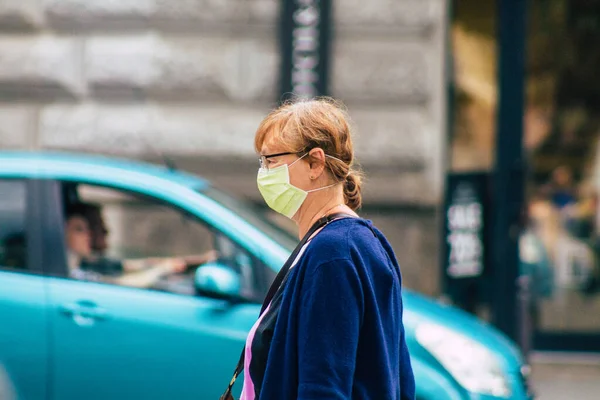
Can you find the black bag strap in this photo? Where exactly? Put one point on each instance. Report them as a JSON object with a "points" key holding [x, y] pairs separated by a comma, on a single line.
{"points": [[277, 283]]}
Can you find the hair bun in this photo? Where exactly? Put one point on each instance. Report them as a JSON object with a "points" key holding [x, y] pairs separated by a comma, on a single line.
{"points": [[352, 190]]}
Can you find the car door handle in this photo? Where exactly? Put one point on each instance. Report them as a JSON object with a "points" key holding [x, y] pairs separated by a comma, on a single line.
{"points": [[83, 312]]}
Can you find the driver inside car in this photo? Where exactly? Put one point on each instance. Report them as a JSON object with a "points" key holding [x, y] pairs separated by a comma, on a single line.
{"points": [[86, 244]]}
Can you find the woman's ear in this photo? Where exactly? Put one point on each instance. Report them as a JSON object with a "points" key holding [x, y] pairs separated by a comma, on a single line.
{"points": [[316, 162]]}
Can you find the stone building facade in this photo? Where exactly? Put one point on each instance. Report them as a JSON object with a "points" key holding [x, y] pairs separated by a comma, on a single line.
{"points": [[191, 79]]}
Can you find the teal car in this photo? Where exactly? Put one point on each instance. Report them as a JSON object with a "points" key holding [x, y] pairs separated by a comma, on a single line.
{"points": [[68, 339]]}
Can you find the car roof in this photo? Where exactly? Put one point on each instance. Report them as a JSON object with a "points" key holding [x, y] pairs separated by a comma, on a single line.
{"points": [[26, 163]]}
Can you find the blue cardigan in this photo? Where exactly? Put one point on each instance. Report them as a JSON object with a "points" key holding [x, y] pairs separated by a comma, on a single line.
{"points": [[338, 332]]}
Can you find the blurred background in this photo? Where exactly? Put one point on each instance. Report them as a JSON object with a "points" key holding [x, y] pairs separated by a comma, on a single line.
{"points": [[186, 82], [190, 80]]}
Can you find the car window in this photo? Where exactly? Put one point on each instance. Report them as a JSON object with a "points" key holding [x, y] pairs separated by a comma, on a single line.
{"points": [[139, 241], [280, 229], [13, 222], [140, 227]]}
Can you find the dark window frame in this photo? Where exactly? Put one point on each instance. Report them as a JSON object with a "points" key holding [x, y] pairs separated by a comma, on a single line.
{"points": [[51, 227]]}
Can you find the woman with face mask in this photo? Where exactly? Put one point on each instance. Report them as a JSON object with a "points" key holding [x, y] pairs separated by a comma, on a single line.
{"points": [[331, 326]]}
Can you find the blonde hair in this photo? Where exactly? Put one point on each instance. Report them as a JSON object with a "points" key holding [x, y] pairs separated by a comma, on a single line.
{"points": [[300, 126]]}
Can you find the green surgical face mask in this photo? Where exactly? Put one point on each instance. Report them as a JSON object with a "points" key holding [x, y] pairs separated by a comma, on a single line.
{"points": [[279, 194]]}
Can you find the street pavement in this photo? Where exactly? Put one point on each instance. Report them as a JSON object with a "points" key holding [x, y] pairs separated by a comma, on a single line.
{"points": [[566, 377], [554, 377]]}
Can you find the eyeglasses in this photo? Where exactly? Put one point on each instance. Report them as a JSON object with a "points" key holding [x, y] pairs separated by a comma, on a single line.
{"points": [[263, 159]]}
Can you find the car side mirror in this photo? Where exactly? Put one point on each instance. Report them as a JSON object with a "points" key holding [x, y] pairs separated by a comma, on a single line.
{"points": [[217, 280]]}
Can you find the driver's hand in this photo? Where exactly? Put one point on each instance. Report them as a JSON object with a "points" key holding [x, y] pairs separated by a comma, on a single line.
{"points": [[203, 258], [178, 265], [211, 255]]}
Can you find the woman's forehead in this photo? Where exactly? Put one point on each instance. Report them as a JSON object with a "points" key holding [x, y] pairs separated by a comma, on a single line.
{"points": [[271, 149], [273, 145], [271, 137]]}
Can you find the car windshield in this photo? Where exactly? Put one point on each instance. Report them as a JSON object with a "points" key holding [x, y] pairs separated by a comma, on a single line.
{"points": [[254, 215]]}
